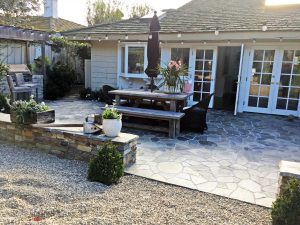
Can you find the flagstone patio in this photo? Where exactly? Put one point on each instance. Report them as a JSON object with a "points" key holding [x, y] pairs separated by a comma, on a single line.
{"points": [[237, 157]]}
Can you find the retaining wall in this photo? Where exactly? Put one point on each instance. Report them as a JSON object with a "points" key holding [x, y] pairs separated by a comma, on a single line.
{"points": [[70, 143]]}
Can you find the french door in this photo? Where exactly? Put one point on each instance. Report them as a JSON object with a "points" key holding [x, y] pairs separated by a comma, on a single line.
{"points": [[204, 70], [287, 100], [274, 82]]}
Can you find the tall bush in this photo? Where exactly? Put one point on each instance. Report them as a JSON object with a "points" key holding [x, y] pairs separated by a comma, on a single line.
{"points": [[60, 80], [107, 167], [286, 209]]}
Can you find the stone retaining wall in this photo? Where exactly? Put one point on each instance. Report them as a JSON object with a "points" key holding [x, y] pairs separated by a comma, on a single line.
{"points": [[287, 171], [63, 143]]}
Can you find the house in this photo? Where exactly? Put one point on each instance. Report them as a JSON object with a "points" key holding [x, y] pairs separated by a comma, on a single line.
{"points": [[21, 43], [245, 52]]}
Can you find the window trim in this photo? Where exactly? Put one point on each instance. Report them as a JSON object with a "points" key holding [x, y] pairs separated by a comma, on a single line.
{"points": [[128, 45]]}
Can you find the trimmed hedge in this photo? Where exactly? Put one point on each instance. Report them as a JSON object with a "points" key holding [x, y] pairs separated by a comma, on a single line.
{"points": [[286, 209], [107, 167]]}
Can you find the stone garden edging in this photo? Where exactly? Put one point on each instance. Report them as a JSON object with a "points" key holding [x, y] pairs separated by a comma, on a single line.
{"points": [[65, 143]]}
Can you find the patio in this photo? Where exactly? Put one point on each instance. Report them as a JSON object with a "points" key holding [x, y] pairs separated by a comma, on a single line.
{"points": [[237, 157]]}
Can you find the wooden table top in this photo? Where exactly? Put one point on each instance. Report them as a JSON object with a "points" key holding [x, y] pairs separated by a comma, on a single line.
{"points": [[138, 93]]}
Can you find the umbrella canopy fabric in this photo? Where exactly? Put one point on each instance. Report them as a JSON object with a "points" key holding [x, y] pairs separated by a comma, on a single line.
{"points": [[153, 48]]}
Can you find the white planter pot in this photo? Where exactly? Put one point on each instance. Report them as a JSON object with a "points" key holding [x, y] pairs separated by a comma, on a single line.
{"points": [[112, 128]]}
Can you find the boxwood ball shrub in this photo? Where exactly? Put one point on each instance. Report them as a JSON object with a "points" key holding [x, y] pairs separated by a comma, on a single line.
{"points": [[286, 209], [107, 167]]}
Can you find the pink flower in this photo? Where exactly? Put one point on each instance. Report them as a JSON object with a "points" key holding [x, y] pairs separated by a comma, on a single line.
{"points": [[173, 64]]}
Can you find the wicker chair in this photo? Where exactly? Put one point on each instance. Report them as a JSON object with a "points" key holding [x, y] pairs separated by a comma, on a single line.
{"points": [[15, 92], [195, 117], [21, 83]]}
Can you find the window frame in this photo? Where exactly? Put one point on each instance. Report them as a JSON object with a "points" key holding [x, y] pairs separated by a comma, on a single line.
{"points": [[127, 46]]}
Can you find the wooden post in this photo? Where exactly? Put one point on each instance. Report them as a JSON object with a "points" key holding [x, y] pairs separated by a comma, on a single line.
{"points": [[43, 59], [27, 52], [173, 105], [117, 100], [172, 128]]}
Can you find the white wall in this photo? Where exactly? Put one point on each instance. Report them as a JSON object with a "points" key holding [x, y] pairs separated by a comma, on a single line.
{"points": [[104, 64]]}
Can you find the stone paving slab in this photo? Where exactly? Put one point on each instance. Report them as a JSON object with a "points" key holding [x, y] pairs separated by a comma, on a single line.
{"points": [[237, 157]]}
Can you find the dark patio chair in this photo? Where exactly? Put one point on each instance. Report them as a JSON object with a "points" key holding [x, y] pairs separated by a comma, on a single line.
{"points": [[195, 117], [15, 92], [108, 98]]}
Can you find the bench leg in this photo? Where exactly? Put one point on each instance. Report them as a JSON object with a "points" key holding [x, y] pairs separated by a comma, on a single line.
{"points": [[172, 128], [177, 127]]}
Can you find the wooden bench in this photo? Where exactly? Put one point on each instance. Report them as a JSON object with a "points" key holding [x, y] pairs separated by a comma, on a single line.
{"points": [[172, 117]]}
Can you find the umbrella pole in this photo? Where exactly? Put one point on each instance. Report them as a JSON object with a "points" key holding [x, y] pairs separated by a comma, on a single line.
{"points": [[152, 84]]}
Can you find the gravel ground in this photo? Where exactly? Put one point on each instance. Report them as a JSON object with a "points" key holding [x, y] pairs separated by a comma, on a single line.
{"points": [[39, 187]]}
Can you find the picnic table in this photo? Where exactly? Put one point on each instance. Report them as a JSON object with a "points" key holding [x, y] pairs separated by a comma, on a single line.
{"points": [[139, 95]]}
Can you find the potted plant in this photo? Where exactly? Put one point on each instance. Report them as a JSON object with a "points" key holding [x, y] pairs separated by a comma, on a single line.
{"points": [[111, 121], [173, 76], [30, 112]]}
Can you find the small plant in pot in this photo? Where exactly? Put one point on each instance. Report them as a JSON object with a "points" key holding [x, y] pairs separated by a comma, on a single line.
{"points": [[30, 112], [111, 121]]}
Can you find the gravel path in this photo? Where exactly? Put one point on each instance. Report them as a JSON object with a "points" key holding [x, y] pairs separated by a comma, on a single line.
{"points": [[36, 186]]}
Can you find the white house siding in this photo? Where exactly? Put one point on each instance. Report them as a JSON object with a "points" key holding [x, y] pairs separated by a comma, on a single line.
{"points": [[104, 64]]}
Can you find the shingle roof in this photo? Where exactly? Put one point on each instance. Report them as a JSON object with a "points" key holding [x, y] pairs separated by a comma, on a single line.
{"points": [[208, 15], [47, 24]]}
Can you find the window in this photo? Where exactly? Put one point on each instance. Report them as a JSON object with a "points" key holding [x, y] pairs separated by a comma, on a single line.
{"points": [[136, 60], [181, 54], [133, 59]]}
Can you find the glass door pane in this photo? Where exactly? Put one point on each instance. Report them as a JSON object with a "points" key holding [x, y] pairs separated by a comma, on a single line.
{"points": [[260, 81], [203, 73], [289, 85]]}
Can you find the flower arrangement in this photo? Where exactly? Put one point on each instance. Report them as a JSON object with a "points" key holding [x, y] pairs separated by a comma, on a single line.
{"points": [[173, 74]]}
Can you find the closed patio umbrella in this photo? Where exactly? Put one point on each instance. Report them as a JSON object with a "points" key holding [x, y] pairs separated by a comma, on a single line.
{"points": [[153, 50]]}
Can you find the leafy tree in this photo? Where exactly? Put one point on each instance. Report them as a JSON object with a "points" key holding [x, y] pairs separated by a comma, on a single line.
{"points": [[101, 11], [138, 11], [14, 12]]}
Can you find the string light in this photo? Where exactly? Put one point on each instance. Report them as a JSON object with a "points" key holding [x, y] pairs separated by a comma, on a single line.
{"points": [[99, 40], [228, 42], [150, 36], [89, 37], [126, 37], [179, 35], [106, 37], [74, 37], [217, 32], [182, 43], [204, 42], [281, 39], [264, 27]]}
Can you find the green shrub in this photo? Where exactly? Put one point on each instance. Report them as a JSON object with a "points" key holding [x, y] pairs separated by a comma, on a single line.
{"points": [[60, 80], [286, 209], [107, 167], [4, 104]]}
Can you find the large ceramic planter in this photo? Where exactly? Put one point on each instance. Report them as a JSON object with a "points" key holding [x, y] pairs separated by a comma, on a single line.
{"points": [[111, 127], [35, 118]]}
